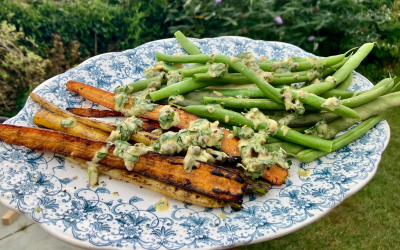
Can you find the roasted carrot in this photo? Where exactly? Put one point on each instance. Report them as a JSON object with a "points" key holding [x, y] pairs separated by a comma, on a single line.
{"points": [[140, 136], [86, 112], [155, 185], [205, 178], [106, 99], [275, 175], [229, 145]]}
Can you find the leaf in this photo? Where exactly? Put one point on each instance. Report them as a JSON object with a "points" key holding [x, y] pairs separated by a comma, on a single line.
{"points": [[102, 190], [76, 204], [60, 159], [109, 203], [151, 209], [135, 199], [66, 180]]}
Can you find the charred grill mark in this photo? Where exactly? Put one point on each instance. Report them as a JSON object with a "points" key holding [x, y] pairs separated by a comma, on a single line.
{"points": [[228, 176], [216, 172], [217, 190], [239, 179], [174, 163], [236, 158], [151, 137]]}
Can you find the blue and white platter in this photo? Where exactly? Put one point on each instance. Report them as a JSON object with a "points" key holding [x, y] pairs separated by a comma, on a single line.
{"points": [[42, 186]]}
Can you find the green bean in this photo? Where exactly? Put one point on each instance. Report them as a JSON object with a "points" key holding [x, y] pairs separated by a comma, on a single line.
{"points": [[264, 86], [138, 85], [168, 68], [192, 71], [142, 84], [342, 94], [317, 102], [367, 96], [249, 92], [245, 103], [186, 44], [356, 97], [202, 58], [311, 119], [309, 155], [332, 69], [179, 88], [228, 78], [286, 146], [239, 78], [291, 74], [237, 119], [353, 62], [302, 139], [305, 65], [382, 83], [341, 74], [375, 107], [346, 83], [239, 103]]}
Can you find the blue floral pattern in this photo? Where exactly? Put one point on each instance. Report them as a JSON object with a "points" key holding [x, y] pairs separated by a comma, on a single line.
{"points": [[55, 194]]}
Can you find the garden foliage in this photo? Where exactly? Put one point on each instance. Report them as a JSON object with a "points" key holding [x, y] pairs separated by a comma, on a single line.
{"points": [[66, 32]]}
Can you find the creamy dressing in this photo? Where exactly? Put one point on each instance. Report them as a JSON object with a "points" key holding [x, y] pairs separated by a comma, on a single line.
{"points": [[284, 66], [157, 131], [101, 153], [68, 122], [130, 154], [195, 153], [210, 109], [217, 93], [139, 107], [226, 118], [154, 86], [222, 216], [234, 59], [172, 99], [218, 70], [331, 103], [151, 72], [162, 205], [256, 117], [93, 174], [285, 130], [291, 101], [304, 173], [173, 77], [168, 117], [320, 129], [331, 79]]}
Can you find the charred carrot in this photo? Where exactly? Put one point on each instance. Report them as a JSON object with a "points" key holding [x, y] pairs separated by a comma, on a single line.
{"points": [[205, 178], [229, 145]]}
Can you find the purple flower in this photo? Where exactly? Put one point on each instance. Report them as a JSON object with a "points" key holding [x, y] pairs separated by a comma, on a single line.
{"points": [[278, 20], [311, 38], [218, 1]]}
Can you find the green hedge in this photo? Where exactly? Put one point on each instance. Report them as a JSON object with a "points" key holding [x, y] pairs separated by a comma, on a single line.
{"points": [[69, 31], [322, 27]]}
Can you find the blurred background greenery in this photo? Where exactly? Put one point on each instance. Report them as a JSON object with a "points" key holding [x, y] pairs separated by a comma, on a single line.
{"points": [[43, 38]]}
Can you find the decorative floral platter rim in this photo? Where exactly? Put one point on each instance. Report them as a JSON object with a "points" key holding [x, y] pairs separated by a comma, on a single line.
{"points": [[54, 193]]}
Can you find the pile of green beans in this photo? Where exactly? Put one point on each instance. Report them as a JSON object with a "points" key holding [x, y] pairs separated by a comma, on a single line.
{"points": [[240, 88]]}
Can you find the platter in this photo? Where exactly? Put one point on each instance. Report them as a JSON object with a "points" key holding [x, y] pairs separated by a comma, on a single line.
{"points": [[54, 192]]}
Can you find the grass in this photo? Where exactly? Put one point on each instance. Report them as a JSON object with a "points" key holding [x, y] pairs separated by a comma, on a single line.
{"points": [[370, 219]]}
